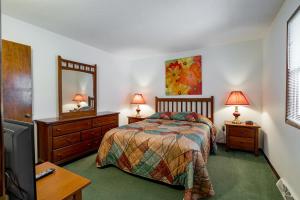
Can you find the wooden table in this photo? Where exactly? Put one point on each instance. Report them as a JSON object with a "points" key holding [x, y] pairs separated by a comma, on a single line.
{"points": [[61, 185]]}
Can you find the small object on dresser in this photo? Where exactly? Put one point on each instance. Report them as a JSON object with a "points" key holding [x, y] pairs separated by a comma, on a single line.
{"points": [[133, 119], [249, 122], [242, 137]]}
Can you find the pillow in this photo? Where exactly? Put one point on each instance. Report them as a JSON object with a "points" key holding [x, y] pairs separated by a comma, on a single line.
{"points": [[203, 119], [184, 116], [160, 115]]}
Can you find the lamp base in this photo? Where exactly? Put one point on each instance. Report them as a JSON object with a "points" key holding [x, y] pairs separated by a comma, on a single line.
{"points": [[138, 110], [236, 115], [236, 121]]}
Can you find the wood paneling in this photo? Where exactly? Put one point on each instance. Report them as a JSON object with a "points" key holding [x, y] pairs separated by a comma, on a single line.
{"points": [[17, 81], [62, 140]]}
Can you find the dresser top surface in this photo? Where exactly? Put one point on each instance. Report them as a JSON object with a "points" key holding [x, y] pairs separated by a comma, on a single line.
{"points": [[243, 124], [59, 120]]}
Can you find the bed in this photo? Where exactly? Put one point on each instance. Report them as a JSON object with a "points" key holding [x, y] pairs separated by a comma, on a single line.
{"points": [[171, 147]]}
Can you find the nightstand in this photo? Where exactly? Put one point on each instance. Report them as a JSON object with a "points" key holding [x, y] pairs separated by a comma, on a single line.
{"points": [[132, 119], [242, 137]]}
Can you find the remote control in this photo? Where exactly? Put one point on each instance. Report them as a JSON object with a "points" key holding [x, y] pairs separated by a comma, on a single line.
{"points": [[44, 173]]}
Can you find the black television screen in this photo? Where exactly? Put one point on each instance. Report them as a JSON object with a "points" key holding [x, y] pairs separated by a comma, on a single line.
{"points": [[19, 160]]}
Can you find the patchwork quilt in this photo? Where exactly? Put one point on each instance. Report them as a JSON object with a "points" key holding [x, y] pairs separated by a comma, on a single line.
{"points": [[170, 151]]}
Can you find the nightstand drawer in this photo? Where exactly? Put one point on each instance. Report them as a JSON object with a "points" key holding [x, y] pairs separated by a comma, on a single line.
{"points": [[242, 132], [132, 119], [241, 143]]}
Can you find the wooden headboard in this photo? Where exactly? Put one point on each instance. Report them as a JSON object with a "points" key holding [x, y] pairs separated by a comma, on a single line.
{"points": [[203, 106]]}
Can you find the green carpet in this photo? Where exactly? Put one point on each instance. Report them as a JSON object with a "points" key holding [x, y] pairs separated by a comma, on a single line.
{"points": [[235, 175]]}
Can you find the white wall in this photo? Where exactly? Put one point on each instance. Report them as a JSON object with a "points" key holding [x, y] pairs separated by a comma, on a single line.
{"points": [[229, 67], [46, 46], [282, 142]]}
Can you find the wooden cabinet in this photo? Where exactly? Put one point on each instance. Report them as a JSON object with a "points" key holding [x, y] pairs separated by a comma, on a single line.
{"points": [[62, 140], [242, 137], [132, 119]]}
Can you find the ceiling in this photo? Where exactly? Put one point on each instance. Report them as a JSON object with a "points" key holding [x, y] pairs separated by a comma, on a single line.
{"points": [[141, 28]]}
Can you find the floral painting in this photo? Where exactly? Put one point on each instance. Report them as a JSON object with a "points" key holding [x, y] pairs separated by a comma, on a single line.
{"points": [[184, 76]]}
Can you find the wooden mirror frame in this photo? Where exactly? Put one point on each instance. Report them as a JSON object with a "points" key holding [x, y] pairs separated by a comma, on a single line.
{"points": [[80, 67]]}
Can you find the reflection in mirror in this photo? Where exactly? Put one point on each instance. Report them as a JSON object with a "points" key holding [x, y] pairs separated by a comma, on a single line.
{"points": [[77, 91]]}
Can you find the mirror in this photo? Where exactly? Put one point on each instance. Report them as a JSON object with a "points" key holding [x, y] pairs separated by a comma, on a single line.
{"points": [[77, 88]]}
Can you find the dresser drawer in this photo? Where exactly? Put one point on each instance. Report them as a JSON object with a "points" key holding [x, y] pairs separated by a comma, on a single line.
{"points": [[100, 121], [75, 150], [242, 132], [96, 144], [241, 143], [91, 133], [106, 128], [66, 152], [66, 140], [91, 145], [71, 127]]}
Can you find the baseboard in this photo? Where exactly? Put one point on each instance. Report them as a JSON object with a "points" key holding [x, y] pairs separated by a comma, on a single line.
{"points": [[270, 164]]}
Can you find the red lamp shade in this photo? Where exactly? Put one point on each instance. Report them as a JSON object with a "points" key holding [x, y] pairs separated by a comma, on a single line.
{"points": [[78, 98], [237, 98], [138, 99]]}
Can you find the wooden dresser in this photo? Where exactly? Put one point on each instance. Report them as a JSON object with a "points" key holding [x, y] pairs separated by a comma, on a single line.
{"points": [[242, 137], [62, 140]]}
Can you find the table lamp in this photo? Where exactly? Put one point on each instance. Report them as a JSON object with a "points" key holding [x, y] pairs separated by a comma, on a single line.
{"points": [[138, 99], [78, 98], [236, 98]]}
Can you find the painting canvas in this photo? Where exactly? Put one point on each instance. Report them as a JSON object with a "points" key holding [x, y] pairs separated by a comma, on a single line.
{"points": [[184, 76]]}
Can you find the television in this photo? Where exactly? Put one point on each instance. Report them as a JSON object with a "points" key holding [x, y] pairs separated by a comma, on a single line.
{"points": [[19, 160]]}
